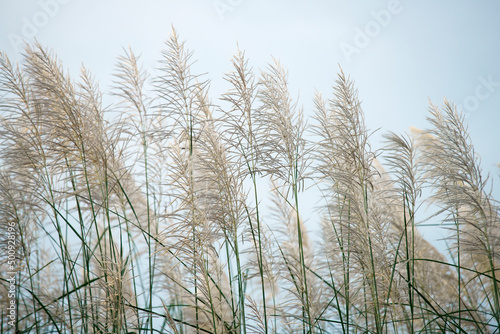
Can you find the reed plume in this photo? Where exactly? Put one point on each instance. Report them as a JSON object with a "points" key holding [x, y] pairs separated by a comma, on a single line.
{"points": [[168, 211]]}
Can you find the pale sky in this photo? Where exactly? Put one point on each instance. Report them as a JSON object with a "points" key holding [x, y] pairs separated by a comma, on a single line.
{"points": [[400, 53]]}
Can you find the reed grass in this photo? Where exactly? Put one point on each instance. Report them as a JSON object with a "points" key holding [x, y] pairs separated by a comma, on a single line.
{"points": [[168, 212]]}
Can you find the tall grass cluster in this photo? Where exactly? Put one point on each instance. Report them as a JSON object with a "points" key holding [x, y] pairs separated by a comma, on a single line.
{"points": [[168, 212]]}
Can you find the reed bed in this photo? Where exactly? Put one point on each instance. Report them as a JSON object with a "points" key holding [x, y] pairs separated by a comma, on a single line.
{"points": [[168, 212]]}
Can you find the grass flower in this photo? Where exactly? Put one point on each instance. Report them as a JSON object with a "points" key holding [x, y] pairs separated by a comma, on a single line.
{"points": [[171, 212]]}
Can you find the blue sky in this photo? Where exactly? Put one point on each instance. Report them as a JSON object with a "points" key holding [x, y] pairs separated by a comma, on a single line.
{"points": [[400, 53]]}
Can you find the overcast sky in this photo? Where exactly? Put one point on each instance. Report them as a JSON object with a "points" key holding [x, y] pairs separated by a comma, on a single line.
{"points": [[400, 53]]}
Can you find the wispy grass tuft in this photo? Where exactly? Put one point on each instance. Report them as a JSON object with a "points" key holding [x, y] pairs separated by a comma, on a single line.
{"points": [[171, 212]]}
